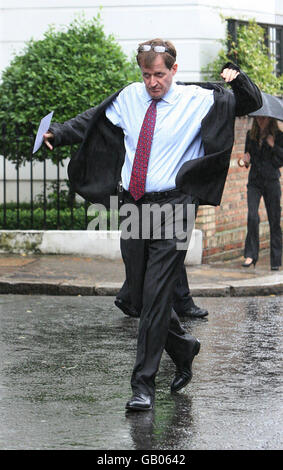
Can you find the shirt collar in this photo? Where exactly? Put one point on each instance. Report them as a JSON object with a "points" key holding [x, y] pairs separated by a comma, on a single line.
{"points": [[169, 97]]}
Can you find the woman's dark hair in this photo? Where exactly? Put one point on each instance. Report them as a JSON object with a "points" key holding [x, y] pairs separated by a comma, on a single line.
{"points": [[271, 129]]}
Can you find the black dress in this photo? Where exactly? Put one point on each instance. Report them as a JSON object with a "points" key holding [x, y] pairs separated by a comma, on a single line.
{"points": [[264, 182]]}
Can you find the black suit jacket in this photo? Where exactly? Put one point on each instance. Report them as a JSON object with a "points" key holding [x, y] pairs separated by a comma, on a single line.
{"points": [[95, 170], [265, 160]]}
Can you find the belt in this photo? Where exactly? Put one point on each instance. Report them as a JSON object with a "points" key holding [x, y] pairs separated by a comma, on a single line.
{"points": [[153, 196]]}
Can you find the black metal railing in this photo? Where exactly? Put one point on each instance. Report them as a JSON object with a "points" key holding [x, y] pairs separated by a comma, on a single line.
{"points": [[55, 197]]}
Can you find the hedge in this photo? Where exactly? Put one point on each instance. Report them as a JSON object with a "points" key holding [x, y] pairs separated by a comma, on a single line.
{"points": [[67, 72]]}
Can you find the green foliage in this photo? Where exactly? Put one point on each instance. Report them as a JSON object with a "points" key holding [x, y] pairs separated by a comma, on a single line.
{"points": [[65, 198], [69, 219], [251, 54], [44, 213], [67, 72], [24, 215]]}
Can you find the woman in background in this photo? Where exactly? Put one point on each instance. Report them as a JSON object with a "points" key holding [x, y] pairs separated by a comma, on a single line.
{"points": [[264, 155]]}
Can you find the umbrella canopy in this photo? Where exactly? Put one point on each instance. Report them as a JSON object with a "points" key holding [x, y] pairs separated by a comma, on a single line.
{"points": [[271, 107]]}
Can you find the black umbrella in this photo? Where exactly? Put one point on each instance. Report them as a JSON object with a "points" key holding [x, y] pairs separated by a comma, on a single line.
{"points": [[272, 107]]}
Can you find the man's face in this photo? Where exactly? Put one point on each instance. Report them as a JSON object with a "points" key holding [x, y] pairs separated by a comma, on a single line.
{"points": [[158, 78]]}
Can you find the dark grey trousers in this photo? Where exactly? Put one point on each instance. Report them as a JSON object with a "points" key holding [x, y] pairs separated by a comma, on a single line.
{"points": [[271, 193], [152, 269], [182, 298]]}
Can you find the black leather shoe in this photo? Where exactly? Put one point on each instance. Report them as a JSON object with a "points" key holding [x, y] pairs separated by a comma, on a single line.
{"points": [[184, 369], [140, 402], [193, 312], [274, 268], [126, 308]]}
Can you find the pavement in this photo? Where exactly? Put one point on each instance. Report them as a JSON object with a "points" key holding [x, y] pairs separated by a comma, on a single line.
{"points": [[73, 275]]}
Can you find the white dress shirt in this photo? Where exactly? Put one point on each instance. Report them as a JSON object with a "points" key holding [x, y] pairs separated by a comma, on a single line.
{"points": [[176, 137]]}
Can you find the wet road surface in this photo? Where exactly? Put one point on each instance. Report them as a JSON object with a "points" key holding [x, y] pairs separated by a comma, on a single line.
{"points": [[65, 374]]}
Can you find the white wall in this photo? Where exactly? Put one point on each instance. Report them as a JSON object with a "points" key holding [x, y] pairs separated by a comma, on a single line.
{"points": [[194, 26], [24, 179]]}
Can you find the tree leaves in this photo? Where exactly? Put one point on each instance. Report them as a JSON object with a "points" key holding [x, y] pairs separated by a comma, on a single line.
{"points": [[252, 56], [68, 71]]}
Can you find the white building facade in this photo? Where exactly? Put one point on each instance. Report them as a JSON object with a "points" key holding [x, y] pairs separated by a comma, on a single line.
{"points": [[195, 26]]}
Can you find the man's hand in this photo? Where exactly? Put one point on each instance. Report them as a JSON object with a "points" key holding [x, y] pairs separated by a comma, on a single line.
{"points": [[46, 138], [229, 74]]}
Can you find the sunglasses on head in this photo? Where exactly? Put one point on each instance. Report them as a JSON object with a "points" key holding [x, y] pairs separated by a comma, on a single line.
{"points": [[158, 49]]}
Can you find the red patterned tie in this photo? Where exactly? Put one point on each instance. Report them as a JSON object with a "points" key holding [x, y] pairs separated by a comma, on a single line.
{"points": [[139, 170]]}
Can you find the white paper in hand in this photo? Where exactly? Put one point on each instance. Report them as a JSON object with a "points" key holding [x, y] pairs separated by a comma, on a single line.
{"points": [[43, 127]]}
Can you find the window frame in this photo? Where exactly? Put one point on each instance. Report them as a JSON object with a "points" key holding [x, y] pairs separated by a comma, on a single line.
{"points": [[273, 39]]}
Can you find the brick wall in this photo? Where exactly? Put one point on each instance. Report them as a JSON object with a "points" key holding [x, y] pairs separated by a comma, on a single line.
{"points": [[224, 227]]}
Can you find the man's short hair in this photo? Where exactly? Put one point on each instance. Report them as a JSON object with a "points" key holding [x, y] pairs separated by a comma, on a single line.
{"points": [[146, 58]]}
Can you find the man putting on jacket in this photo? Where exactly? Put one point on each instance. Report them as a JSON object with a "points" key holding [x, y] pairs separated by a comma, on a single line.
{"points": [[171, 145]]}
